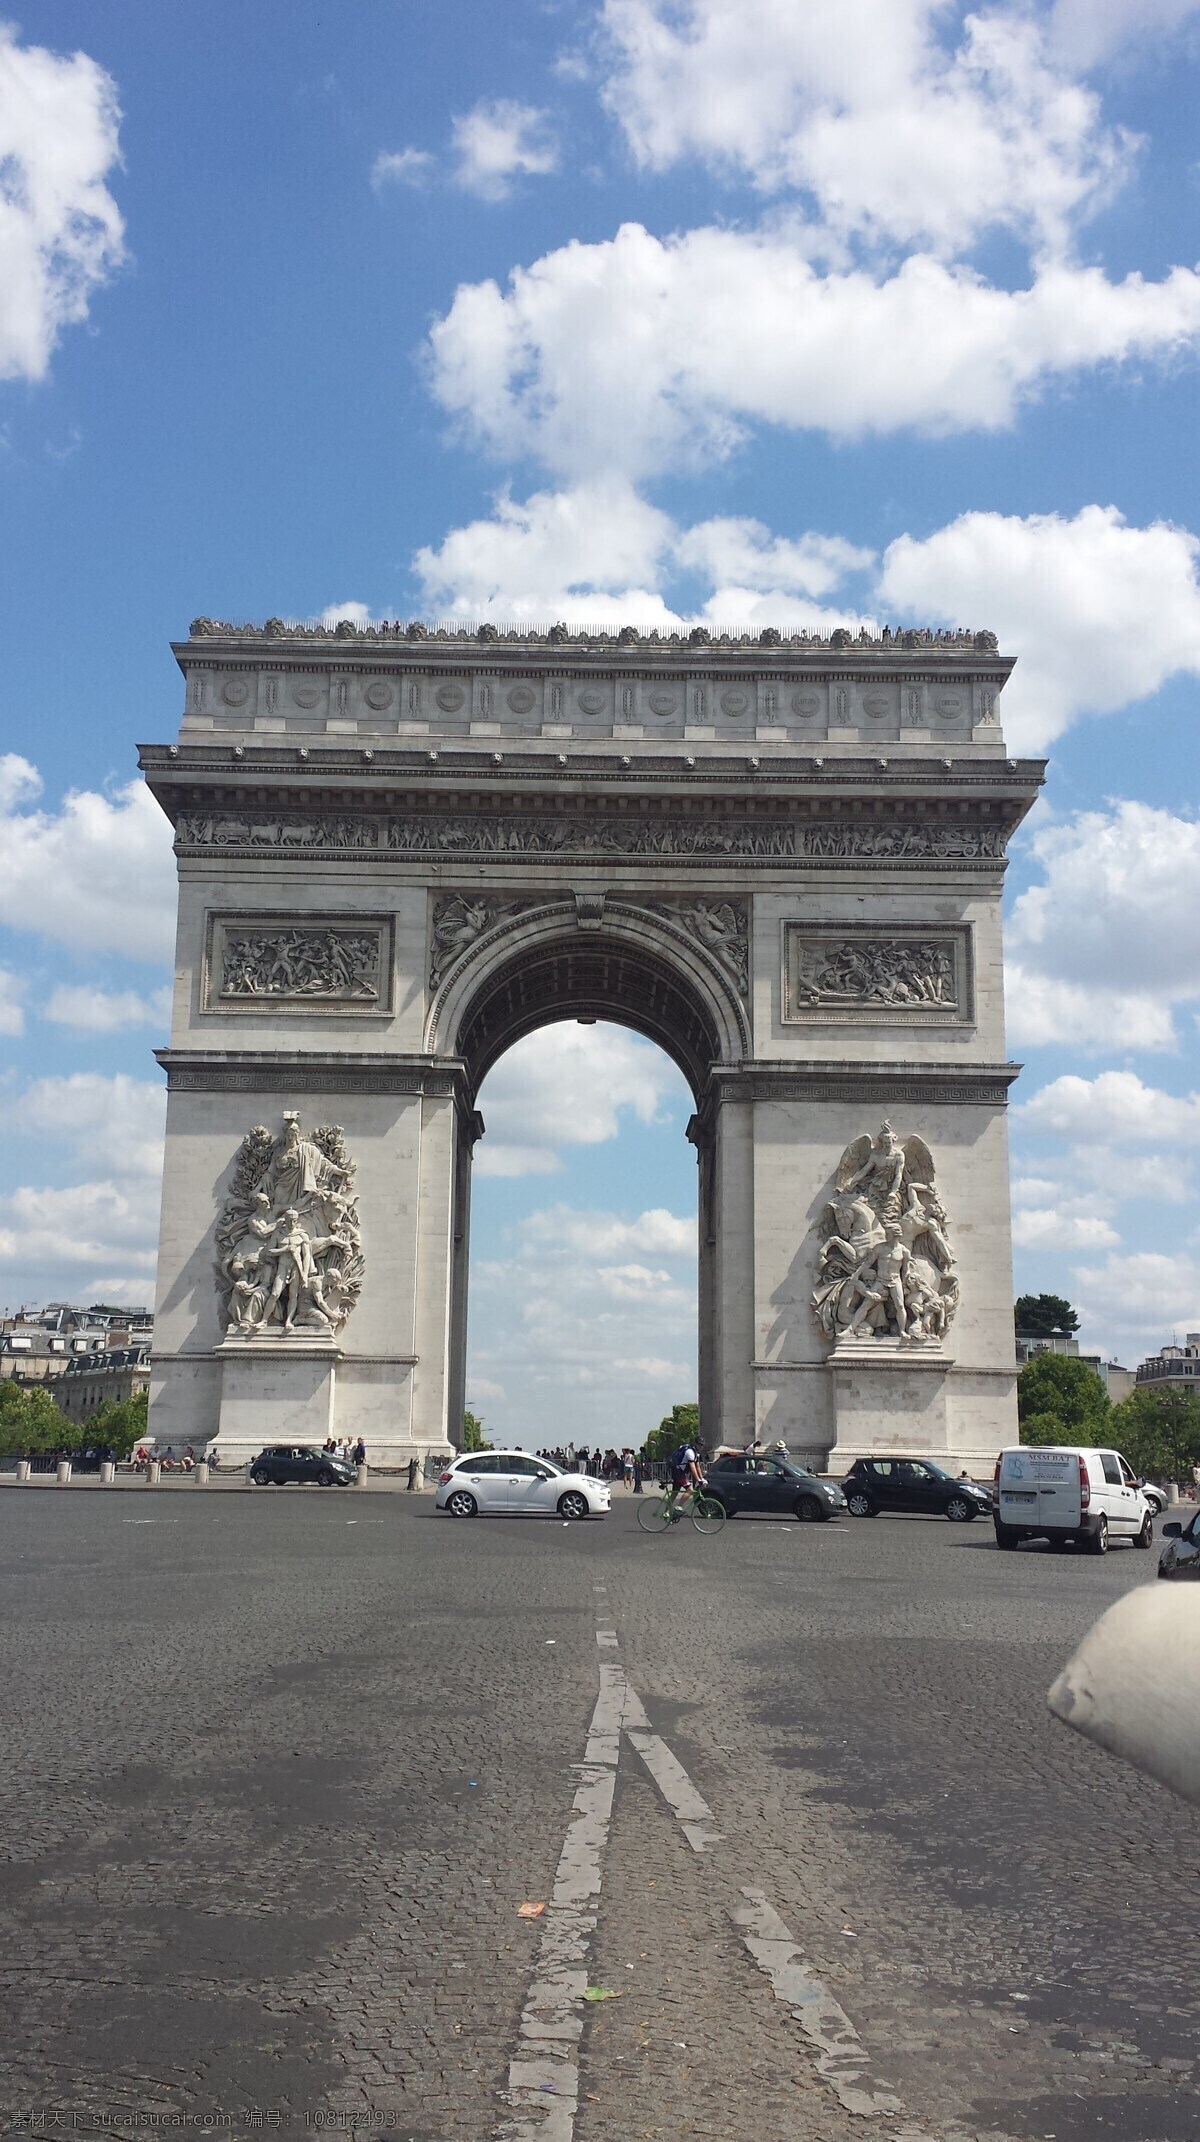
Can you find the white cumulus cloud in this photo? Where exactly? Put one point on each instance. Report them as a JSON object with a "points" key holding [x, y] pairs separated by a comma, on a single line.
{"points": [[499, 140], [1105, 946], [1099, 613], [568, 1085], [61, 233], [1115, 1108], [585, 362], [97, 1235], [96, 872], [890, 121], [12, 1013], [401, 167], [91, 1010], [113, 1122]]}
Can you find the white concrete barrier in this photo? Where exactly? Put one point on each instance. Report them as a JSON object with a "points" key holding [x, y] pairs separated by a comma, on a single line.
{"points": [[201, 1474], [63, 1472], [107, 1472], [22, 1468], [154, 1474], [1132, 1684], [360, 1476]]}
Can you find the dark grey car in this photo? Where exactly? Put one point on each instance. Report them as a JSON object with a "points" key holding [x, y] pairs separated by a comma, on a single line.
{"points": [[1180, 1555], [771, 1487], [282, 1463]]}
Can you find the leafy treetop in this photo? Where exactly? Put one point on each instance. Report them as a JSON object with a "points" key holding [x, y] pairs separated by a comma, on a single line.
{"points": [[680, 1425], [473, 1438], [1038, 1315], [1054, 1387]]}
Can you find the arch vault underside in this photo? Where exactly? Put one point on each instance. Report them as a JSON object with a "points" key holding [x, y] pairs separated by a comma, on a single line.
{"points": [[374, 905]]}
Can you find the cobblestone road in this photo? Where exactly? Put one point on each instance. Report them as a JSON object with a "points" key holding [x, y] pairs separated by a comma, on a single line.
{"points": [[282, 1768]]}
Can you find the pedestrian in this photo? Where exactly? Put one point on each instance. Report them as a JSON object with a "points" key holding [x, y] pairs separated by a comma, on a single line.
{"points": [[360, 1452], [627, 1466]]}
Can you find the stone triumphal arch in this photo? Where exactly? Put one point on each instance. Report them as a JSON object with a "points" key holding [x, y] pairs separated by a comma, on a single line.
{"points": [[781, 859]]}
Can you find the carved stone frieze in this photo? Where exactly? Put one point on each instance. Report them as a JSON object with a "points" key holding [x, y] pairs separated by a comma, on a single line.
{"points": [[858, 972], [929, 840], [289, 1258], [886, 1265]]}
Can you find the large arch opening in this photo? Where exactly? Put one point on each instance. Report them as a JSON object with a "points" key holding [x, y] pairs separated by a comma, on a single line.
{"points": [[589, 1237]]}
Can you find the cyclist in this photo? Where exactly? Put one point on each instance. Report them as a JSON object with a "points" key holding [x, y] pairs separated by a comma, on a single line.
{"points": [[686, 1476]]}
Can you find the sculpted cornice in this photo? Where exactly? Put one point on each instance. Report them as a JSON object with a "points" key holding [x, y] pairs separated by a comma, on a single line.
{"points": [[174, 768], [864, 1084], [251, 1071]]}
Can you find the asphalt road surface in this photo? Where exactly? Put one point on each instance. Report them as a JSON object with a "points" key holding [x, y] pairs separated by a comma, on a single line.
{"points": [[281, 1770]]}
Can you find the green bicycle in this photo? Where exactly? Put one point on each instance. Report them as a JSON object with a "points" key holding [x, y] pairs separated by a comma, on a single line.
{"points": [[659, 1512]]}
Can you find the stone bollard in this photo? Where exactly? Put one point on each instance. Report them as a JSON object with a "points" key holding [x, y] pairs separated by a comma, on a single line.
{"points": [[22, 1468], [107, 1472], [154, 1473], [1172, 1493], [201, 1474], [63, 1472], [360, 1475]]}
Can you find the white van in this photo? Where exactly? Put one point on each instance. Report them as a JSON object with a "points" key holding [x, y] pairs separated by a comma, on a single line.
{"points": [[1086, 1496]]}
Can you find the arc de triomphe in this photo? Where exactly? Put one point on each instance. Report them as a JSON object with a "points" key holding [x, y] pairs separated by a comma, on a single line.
{"points": [[780, 858]]}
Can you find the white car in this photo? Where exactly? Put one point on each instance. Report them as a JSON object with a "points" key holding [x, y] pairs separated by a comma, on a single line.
{"points": [[514, 1484]]}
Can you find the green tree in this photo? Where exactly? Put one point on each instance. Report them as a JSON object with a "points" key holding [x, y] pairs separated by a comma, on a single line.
{"points": [[680, 1425], [473, 1432], [118, 1425], [1043, 1428], [1038, 1315], [29, 1421], [1068, 1391], [1159, 1432]]}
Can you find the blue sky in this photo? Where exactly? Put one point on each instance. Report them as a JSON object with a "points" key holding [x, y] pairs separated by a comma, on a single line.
{"points": [[735, 309]]}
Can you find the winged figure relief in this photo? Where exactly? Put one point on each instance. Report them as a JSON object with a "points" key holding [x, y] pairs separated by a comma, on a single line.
{"points": [[887, 1268]]}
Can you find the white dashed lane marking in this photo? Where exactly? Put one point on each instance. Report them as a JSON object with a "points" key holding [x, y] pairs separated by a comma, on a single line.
{"points": [[543, 2075]]}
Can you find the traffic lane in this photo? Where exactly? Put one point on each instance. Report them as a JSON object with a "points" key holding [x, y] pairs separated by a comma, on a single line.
{"points": [[868, 1702], [281, 1775]]}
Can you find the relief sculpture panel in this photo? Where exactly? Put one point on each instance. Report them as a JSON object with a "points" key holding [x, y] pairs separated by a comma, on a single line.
{"points": [[314, 964], [289, 1259], [886, 1265], [848, 972]]}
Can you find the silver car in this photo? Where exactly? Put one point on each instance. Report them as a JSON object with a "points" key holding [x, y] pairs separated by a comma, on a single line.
{"points": [[1180, 1556], [512, 1483]]}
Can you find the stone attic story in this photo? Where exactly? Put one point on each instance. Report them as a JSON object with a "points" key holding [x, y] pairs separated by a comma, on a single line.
{"points": [[780, 858]]}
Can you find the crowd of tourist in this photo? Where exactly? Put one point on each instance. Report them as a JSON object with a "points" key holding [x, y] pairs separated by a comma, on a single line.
{"points": [[611, 1465]]}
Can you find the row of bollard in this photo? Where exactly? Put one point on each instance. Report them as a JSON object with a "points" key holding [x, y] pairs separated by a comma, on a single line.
{"points": [[108, 1472]]}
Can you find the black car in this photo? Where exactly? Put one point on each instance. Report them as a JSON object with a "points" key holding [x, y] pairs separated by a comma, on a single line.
{"points": [[915, 1486], [299, 1461], [771, 1487]]}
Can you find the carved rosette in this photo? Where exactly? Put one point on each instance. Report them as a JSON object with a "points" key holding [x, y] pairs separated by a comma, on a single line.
{"points": [[289, 1261], [886, 1266]]}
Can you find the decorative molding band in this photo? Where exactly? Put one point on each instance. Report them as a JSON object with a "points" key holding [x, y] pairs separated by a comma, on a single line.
{"points": [[344, 1358], [195, 1071], [545, 837], [867, 1084]]}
